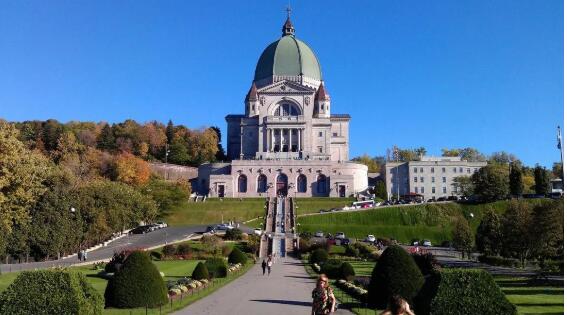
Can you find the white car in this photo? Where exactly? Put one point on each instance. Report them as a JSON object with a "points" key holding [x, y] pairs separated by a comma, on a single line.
{"points": [[161, 224], [319, 234], [258, 231], [340, 235], [427, 243], [370, 238], [224, 227]]}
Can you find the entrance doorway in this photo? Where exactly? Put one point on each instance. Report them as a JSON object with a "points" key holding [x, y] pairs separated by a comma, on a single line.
{"points": [[342, 191], [221, 191], [281, 185]]}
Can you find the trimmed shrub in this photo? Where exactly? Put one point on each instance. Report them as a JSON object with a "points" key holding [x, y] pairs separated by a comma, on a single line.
{"points": [[226, 250], [347, 271], [50, 292], [332, 268], [200, 272], [217, 267], [499, 261], [427, 263], [155, 255], [352, 251], [462, 291], [137, 284], [318, 256], [395, 273], [169, 250], [183, 249], [233, 235], [118, 260], [237, 256]]}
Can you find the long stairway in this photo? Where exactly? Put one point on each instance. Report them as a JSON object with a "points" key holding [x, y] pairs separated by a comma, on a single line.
{"points": [[279, 237]]}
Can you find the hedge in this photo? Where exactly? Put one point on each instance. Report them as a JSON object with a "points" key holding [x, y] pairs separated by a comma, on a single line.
{"points": [[499, 261], [395, 273], [138, 283], [200, 272], [318, 256], [237, 256], [347, 271], [217, 267], [50, 292], [464, 292]]}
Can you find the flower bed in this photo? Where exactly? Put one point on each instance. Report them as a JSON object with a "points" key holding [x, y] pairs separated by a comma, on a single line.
{"points": [[355, 291], [187, 285], [234, 267]]}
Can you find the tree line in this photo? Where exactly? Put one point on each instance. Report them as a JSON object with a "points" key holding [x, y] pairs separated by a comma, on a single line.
{"points": [[64, 187]]}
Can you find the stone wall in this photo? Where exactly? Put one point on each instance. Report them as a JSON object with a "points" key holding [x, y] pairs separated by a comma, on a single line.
{"points": [[174, 172]]}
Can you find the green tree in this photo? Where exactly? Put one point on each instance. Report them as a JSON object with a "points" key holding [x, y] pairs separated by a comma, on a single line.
{"points": [[463, 185], [463, 238], [178, 153], [220, 156], [368, 161], [502, 157], [170, 132], [491, 182], [557, 170], [106, 140], [380, 190], [450, 152], [52, 130], [517, 234], [489, 234], [547, 228], [541, 180], [515, 178]]}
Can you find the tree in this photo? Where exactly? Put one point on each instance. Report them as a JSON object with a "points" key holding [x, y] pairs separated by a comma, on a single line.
{"points": [[380, 190], [491, 182], [220, 156], [517, 234], [106, 140], [462, 236], [489, 234], [515, 178], [451, 152], [463, 185], [132, 170], [541, 180], [22, 174], [502, 157], [200, 272], [368, 161], [547, 228], [52, 130], [178, 153], [471, 155], [557, 170], [170, 132]]}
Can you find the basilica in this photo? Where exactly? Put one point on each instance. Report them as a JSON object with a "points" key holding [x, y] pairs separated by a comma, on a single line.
{"points": [[287, 142]]}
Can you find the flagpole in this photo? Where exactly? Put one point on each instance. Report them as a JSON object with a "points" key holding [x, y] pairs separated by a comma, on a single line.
{"points": [[559, 143]]}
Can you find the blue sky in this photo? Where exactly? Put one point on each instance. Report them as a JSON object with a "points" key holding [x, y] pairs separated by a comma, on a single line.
{"points": [[485, 74]]}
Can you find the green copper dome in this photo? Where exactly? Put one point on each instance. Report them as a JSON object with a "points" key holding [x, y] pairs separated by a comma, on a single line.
{"points": [[288, 56]]}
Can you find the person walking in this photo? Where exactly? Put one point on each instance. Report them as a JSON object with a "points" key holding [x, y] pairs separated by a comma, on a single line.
{"points": [[84, 255], [264, 265], [397, 306], [80, 255], [269, 264], [324, 301]]}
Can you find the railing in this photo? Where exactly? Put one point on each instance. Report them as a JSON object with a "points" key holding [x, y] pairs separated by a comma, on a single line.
{"points": [[285, 119]]}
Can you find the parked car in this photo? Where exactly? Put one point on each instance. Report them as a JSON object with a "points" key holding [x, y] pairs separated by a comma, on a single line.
{"points": [[442, 199], [161, 224], [224, 227], [344, 241], [142, 229], [210, 229], [258, 231], [453, 198], [426, 243], [319, 234], [370, 238], [414, 242], [340, 235]]}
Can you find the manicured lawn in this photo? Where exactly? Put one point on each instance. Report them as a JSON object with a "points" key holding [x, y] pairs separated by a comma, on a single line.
{"points": [[363, 268], [313, 205], [532, 299], [214, 211], [427, 221]]}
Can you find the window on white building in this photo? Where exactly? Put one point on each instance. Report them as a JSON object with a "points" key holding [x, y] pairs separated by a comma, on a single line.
{"points": [[444, 190], [432, 190], [415, 179], [468, 170], [433, 170], [422, 190], [415, 169], [444, 179], [460, 169], [433, 179], [443, 170], [421, 169], [421, 179]]}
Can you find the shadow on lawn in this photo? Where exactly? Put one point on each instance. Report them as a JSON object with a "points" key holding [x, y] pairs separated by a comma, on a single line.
{"points": [[532, 292]]}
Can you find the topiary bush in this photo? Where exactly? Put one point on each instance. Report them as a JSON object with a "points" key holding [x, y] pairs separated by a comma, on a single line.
{"points": [[352, 251], [233, 235], [217, 267], [346, 271], [183, 249], [50, 292], [395, 273], [237, 256], [332, 268], [169, 250], [200, 272], [138, 283], [464, 292], [427, 263], [318, 256]]}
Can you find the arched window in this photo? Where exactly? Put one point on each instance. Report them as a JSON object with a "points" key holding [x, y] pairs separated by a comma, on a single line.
{"points": [[262, 183], [281, 185], [287, 110], [242, 183], [301, 183], [321, 184]]}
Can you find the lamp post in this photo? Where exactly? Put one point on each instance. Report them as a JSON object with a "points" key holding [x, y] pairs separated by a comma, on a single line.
{"points": [[166, 155], [76, 214]]}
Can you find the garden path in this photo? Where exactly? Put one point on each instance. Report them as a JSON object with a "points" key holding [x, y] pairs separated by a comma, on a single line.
{"points": [[286, 291]]}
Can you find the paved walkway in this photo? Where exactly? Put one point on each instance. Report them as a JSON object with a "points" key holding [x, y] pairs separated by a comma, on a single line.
{"points": [[286, 291]]}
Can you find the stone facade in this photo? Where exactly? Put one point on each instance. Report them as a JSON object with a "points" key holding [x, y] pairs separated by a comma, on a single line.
{"points": [[431, 177], [287, 141]]}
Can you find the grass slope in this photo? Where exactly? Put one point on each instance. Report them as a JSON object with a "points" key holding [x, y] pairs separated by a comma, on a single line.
{"points": [[427, 221], [313, 205], [214, 210]]}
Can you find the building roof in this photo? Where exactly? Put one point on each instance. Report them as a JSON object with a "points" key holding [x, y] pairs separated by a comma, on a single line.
{"points": [[252, 93], [322, 94], [288, 56]]}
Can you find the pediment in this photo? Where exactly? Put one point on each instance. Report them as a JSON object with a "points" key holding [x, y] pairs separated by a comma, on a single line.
{"points": [[285, 87]]}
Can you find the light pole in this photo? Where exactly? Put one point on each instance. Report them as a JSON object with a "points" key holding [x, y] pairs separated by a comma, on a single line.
{"points": [[166, 155], [76, 214]]}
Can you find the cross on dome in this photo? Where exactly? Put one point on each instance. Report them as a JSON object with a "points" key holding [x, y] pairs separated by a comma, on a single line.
{"points": [[288, 28]]}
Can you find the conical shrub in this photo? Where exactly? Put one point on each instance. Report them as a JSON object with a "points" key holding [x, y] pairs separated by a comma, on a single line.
{"points": [[200, 272], [137, 284], [395, 273], [237, 256]]}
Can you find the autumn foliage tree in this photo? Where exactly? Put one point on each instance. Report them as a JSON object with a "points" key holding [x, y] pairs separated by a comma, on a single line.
{"points": [[132, 170]]}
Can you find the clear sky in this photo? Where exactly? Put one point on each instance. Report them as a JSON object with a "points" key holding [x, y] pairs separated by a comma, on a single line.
{"points": [[479, 73]]}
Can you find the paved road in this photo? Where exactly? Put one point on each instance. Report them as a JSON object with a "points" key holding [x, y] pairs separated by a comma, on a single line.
{"points": [[156, 238], [286, 291]]}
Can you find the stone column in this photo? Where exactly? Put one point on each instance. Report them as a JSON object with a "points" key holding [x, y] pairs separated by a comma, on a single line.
{"points": [[289, 143], [281, 139], [298, 139]]}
